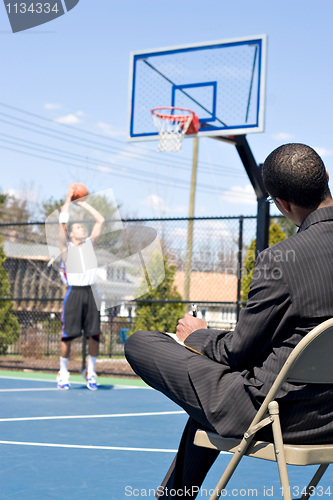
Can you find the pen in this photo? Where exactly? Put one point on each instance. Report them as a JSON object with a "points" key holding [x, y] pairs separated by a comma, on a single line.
{"points": [[194, 310]]}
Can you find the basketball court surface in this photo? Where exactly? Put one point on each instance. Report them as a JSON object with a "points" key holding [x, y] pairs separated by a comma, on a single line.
{"points": [[115, 443]]}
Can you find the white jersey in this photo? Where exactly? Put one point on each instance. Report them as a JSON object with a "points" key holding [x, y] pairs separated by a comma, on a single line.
{"points": [[80, 266]]}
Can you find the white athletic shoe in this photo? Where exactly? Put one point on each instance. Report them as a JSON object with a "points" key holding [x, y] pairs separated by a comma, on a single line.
{"points": [[91, 382], [63, 380]]}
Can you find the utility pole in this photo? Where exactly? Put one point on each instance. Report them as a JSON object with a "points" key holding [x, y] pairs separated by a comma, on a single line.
{"points": [[188, 262]]}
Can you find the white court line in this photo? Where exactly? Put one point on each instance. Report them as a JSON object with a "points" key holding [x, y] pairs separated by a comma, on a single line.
{"points": [[56, 388], [30, 389], [5, 377], [89, 447], [114, 415], [115, 386]]}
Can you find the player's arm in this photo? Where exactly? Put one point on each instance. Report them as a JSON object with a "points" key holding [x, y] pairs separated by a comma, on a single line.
{"points": [[63, 220], [99, 219]]}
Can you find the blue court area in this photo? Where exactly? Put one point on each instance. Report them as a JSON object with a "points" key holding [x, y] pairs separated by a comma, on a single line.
{"points": [[115, 443]]}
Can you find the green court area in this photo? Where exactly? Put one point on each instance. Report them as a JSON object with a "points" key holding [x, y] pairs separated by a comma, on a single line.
{"points": [[75, 378]]}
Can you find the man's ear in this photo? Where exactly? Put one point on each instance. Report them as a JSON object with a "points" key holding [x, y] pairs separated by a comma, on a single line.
{"points": [[327, 176], [284, 204]]}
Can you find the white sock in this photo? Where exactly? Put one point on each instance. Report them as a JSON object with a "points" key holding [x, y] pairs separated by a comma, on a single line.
{"points": [[63, 364], [91, 364]]}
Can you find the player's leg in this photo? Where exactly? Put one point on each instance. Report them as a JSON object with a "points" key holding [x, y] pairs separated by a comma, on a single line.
{"points": [[71, 328], [94, 346], [65, 348], [89, 373], [63, 374], [91, 327]]}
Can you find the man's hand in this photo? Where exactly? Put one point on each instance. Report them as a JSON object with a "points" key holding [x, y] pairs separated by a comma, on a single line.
{"points": [[189, 324], [70, 192], [81, 203]]}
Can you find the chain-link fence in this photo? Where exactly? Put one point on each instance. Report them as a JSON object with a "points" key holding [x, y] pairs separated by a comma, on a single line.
{"points": [[31, 291]]}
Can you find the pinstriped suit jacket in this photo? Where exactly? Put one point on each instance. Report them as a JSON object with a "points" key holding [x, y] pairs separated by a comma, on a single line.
{"points": [[291, 292]]}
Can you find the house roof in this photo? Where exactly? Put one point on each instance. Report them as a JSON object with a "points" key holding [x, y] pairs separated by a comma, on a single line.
{"points": [[215, 287], [18, 250], [41, 251]]}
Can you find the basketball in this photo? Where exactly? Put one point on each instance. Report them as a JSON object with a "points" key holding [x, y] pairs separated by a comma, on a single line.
{"points": [[80, 191]]}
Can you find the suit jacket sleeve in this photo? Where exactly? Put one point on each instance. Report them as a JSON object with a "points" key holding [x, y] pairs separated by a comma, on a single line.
{"points": [[261, 323]]}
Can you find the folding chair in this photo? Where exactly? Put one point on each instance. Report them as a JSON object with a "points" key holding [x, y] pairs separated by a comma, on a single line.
{"points": [[310, 362]]}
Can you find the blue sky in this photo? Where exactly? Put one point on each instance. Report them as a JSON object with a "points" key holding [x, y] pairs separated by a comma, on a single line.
{"points": [[68, 80]]}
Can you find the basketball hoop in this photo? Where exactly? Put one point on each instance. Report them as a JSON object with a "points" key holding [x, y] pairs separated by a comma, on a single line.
{"points": [[172, 124]]}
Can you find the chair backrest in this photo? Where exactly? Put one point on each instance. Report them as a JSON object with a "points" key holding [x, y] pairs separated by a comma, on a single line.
{"points": [[312, 359]]}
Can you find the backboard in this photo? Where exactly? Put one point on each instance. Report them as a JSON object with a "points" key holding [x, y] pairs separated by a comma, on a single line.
{"points": [[222, 81]]}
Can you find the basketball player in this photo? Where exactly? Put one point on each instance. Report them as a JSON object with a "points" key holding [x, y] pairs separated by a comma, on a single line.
{"points": [[78, 271]]}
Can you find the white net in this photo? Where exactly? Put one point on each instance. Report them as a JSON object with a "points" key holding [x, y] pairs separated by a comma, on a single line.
{"points": [[171, 130]]}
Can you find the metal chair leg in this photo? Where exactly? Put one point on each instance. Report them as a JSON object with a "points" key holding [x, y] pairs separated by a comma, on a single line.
{"points": [[273, 409], [243, 445], [314, 481]]}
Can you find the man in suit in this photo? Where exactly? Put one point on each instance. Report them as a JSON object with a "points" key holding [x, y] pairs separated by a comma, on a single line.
{"points": [[291, 292]]}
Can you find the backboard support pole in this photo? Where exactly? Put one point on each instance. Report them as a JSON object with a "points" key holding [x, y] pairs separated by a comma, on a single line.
{"points": [[262, 225], [253, 171]]}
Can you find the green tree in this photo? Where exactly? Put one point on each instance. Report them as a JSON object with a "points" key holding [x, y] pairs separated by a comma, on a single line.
{"points": [[50, 205], [3, 198], [275, 235], [287, 226], [16, 210], [160, 316], [9, 325]]}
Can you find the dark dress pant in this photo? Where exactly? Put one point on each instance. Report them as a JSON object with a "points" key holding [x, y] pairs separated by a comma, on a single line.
{"points": [[163, 364]]}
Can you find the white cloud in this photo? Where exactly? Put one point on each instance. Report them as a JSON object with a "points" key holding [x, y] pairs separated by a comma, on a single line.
{"points": [[104, 170], [211, 230], [50, 106], [129, 153], [109, 130], [207, 231], [237, 195], [179, 232], [323, 151], [68, 119], [23, 195], [282, 136], [155, 203], [181, 209]]}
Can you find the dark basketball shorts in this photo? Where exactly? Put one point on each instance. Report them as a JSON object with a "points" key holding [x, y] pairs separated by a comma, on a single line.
{"points": [[80, 313]]}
